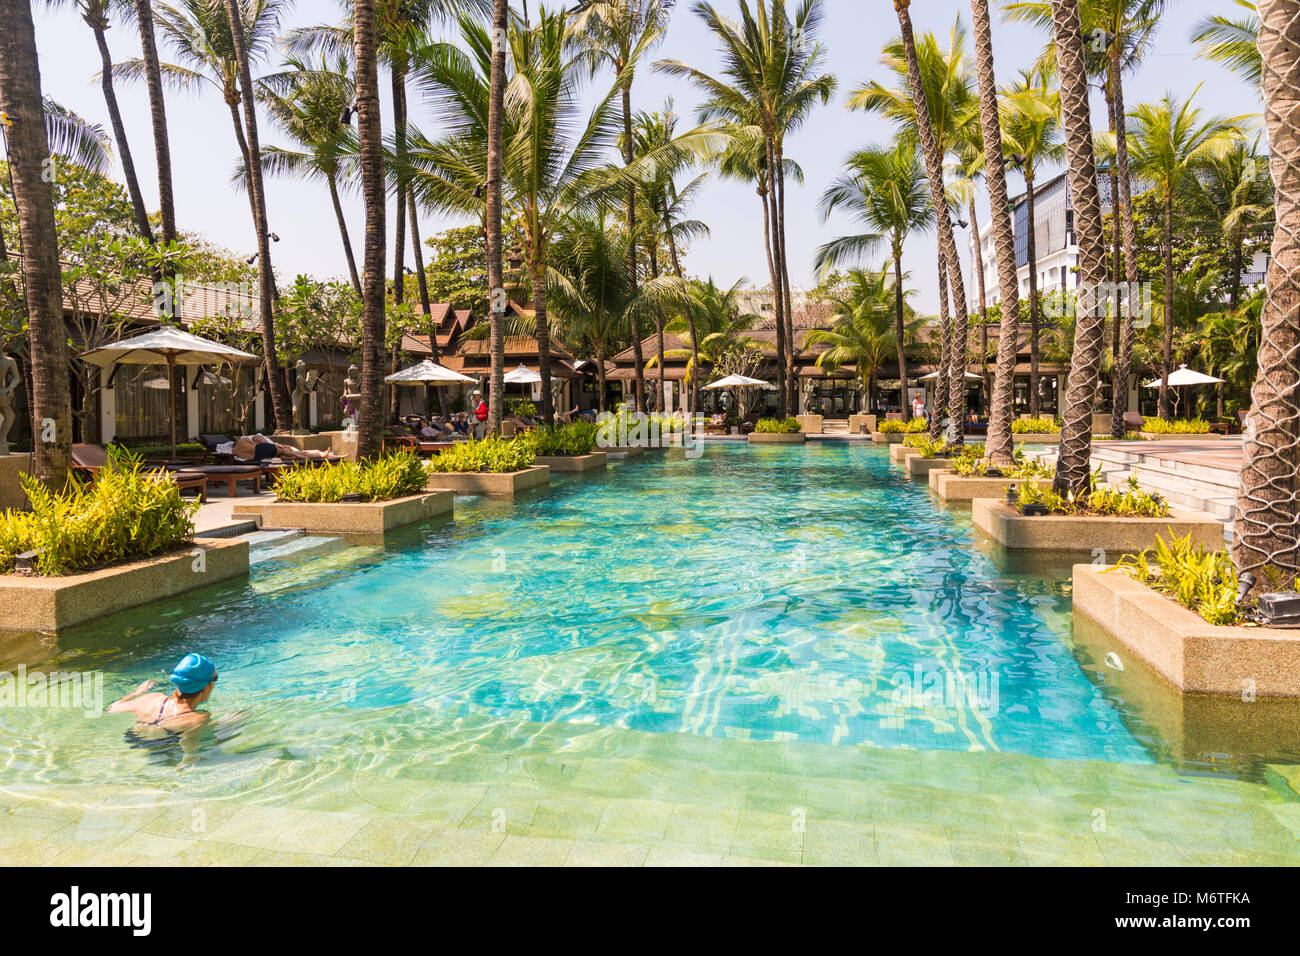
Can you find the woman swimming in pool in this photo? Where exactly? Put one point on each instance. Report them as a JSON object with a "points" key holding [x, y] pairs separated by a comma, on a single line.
{"points": [[194, 677]]}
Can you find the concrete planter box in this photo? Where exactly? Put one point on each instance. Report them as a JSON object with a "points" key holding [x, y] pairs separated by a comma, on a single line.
{"points": [[360, 517], [631, 451], [323, 441], [1037, 438], [772, 438], [34, 603], [888, 438], [951, 486], [489, 483], [1017, 532], [1151, 436], [11, 492], [900, 453], [919, 467], [573, 463], [862, 424], [810, 424], [1192, 655]]}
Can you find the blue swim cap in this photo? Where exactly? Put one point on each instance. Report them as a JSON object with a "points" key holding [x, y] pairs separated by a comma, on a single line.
{"points": [[193, 674]]}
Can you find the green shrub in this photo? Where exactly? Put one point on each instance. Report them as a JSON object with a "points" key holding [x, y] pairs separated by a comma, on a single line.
{"points": [[393, 476], [497, 455], [668, 424], [1129, 501], [1204, 581], [895, 427], [126, 513], [575, 439], [1181, 426], [777, 426], [1035, 426], [1022, 468], [520, 407], [927, 446]]}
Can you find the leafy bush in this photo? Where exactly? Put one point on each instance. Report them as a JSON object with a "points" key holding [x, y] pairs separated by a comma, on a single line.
{"points": [[575, 439], [126, 513], [777, 426], [381, 479], [497, 455], [1181, 426], [1022, 468], [1204, 581], [1099, 500], [1035, 426], [927, 446], [520, 407], [895, 427], [668, 424]]}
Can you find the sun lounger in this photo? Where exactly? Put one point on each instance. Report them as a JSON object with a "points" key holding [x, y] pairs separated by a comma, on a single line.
{"points": [[87, 460]]}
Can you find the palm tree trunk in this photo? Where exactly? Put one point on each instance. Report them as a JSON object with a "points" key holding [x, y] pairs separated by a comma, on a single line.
{"points": [[543, 333], [397, 72], [1167, 355], [600, 375], [1032, 247], [659, 323], [99, 25], [778, 299], [496, 289], [1074, 455], [1129, 230], [423, 281], [28, 150], [343, 231], [1119, 391], [792, 378], [158, 118], [977, 261], [938, 198], [998, 445], [690, 323], [899, 329], [370, 140], [1234, 290], [629, 156], [275, 380], [945, 358], [1267, 500]]}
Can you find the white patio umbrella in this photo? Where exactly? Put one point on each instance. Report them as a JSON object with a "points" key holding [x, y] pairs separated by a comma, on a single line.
{"points": [[934, 376], [522, 375], [1186, 376], [168, 346], [736, 381], [427, 372]]}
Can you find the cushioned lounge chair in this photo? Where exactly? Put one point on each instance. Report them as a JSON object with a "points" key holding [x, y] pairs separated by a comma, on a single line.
{"points": [[87, 460]]}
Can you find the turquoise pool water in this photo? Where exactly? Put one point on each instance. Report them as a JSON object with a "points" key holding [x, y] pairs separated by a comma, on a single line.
{"points": [[797, 610]]}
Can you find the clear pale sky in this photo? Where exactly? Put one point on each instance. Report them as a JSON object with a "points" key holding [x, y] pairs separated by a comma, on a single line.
{"points": [[204, 150]]}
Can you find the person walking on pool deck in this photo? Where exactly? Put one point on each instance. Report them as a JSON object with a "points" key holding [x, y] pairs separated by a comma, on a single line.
{"points": [[194, 678], [480, 415]]}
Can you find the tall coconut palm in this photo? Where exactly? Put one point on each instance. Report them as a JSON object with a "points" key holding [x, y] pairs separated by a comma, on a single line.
{"points": [[1234, 43], [885, 190], [95, 13], [1171, 142], [1235, 190], [1033, 136], [370, 151], [308, 102], [1268, 516], [28, 149], [930, 150], [1075, 451], [771, 80], [143, 10], [496, 291], [998, 445]]}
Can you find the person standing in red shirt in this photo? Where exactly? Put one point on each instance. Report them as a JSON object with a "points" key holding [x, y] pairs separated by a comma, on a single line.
{"points": [[480, 414]]}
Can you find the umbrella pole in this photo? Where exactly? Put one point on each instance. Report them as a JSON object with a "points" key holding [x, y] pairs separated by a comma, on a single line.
{"points": [[171, 397]]}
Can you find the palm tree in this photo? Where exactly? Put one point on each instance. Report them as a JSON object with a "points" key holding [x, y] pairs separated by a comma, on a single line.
{"points": [[771, 66], [95, 14], [1266, 522], [719, 320], [76, 138], [1171, 143], [309, 102], [28, 149], [930, 149], [1234, 43], [885, 190], [861, 327], [1033, 137], [143, 10], [998, 445], [370, 151], [1075, 451], [1234, 189], [496, 292]]}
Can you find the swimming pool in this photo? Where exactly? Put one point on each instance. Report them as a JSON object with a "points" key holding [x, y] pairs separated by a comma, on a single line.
{"points": [[765, 643]]}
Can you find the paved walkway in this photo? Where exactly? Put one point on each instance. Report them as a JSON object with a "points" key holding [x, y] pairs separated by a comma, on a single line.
{"points": [[1222, 453], [216, 513]]}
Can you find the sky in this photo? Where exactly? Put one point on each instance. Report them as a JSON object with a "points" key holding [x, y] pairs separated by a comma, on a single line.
{"points": [[204, 148]]}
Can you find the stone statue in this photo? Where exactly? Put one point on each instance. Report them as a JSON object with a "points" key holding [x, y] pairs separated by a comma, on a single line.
{"points": [[10, 379], [351, 395], [304, 384]]}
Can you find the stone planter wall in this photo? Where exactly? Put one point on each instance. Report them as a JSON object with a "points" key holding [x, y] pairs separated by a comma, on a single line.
{"points": [[810, 424], [919, 467], [862, 424], [11, 492], [1037, 438], [951, 486], [361, 517], [1118, 536], [771, 438], [489, 483], [573, 463], [1152, 436], [888, 438], [34, 603], [1194, 656], [899, 452]]}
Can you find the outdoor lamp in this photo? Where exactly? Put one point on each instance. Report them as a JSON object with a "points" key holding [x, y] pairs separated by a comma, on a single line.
{"points": [[1244, 583]]}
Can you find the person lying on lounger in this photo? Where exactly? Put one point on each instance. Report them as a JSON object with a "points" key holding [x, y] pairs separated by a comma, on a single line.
{"points": [[248, 447], [194, 678]]}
